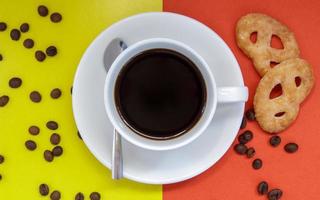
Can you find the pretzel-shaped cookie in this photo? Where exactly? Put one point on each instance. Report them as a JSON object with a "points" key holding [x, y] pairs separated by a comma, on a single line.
{"points": [[287, 105], [261, 51]]}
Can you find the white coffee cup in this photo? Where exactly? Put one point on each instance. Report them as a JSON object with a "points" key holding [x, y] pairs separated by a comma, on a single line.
{"points": [[214, 94]]}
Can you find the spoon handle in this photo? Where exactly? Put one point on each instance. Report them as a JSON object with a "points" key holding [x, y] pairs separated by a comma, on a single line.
{"points": [[116, 156]]}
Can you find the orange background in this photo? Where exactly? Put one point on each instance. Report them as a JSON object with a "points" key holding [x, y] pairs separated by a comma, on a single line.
{"points": [[296, 174]]}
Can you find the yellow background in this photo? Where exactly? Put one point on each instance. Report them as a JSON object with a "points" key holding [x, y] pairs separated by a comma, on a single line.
{"points": [[76, 170]]}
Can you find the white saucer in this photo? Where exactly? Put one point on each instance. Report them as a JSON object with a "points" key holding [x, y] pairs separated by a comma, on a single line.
{"points": [[144, 165]]}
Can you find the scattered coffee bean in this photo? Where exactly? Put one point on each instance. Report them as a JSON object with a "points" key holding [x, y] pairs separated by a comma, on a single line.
{"points": [[257, 163], [55, 93], [34, 130], [79, 135], [250, 114], [56, 17], [44, 189], [24, 27], [43, 10], [31, 145], [15, 34], [1, 159], [51, 51], [3, 26], [274, 194], [243, 123], [48, 156], [291, 147], [28, 43], [240, 149], [250, 152], [0, 177], [55, 139], [40, 56], [1, 58], [15, 82], [55, 195], [57, 151], [275, 141], [263, 188], [79, 196], [4, 100], [95, 196], [245, 137], [52, 125], [35, 96]]}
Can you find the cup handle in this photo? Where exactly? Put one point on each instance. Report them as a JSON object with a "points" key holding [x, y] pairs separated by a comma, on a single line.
{"points": [[232, 94]]}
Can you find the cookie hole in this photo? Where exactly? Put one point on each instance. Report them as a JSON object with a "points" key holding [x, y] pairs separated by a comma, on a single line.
{"points": [[298, 81], [279, 114], [276, 91], [253, 37], [276, 42], [273, 64]]}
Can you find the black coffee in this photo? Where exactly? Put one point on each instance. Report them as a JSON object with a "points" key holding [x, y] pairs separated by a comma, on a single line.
{"points": [[160, 94]]}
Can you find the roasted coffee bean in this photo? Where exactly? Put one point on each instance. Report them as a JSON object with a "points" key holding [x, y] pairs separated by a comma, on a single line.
{"points": [[257, 163], [263, 188], [79, 135], [28, 43], [55, 93], [274, 194], [95, 196], [243, 123], [15, 34], [34, 130], [52, 125], [57, 151], [250, 114], [250, 152], [4, 100], [0, 177], [24, 27], [3, 26], [15, 82], [240, 149], [245, 137], [35, 96], [48, 156], [56, 17], [40, 56], [79, 196], [291, 147], [44, 189], [1, 159], [51, 51], [31, 145], [275, 140], [1, 58], [55, 195], [43, 10], [55, 139]]}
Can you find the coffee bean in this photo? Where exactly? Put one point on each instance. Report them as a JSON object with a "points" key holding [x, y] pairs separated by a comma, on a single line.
{"points": [[263, 188], [40, 56], [15, 82], [257, 163], [55, 195], [3, 26], [43, 10], [250, 114], [28, 43], [35, 96], [52, 125], [275, 140], [48, 156], [79, 196], [24, 27], [55, 139], [4, 100], [55, 93], [15, 34], [274, 194], [1, 58], [31, 145], [245, 137], [34, 130], [95, 196], [240, 149], [291, 147], [51, 51], [0, 177], [44, 189], [250, 152], [57, 151], [55, 17], [1, 159], [243, 123], [79, 135]]}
